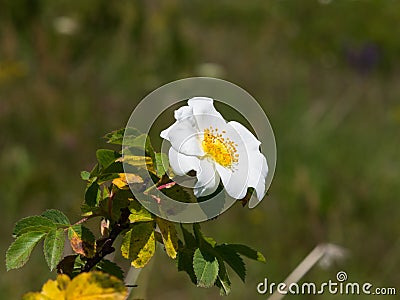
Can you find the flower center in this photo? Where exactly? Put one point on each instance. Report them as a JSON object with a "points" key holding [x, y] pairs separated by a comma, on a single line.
{"points": [[221, 150]]}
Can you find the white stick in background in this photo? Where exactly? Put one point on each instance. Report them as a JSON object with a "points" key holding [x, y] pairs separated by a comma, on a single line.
{"points": [[323, 253]]}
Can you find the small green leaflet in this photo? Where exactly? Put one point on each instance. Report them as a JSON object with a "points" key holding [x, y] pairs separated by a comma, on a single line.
{"points": [[92, 194], [246, 251], [185, 262], [53, 247], [223, 281], [85, 175], [205, 266], [188, 237], [33, 223], [233, 259], [117, 136], [111, 268], [56, 216], [18, 253], [106, 157], [161, 163]]}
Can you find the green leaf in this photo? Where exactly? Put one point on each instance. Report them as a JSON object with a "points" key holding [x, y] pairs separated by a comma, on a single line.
{"points": [[139, 213], [111, 268], [233, 259], [92, 194], [33, 223], [19, 251], [116, 137], [66, 265], [82, 240], [169, 236], [56, 216], [85, 175], [205, 266], [111, 171], [106, 157], [136, 160], [185, 262], [179, 193], [54, 247], [119, 200], [247, 251], [141, 142], [189, 239], [161, 163], [138, 244], [223, 281]]}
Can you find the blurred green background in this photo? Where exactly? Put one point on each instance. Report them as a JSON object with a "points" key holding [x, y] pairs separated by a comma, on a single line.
{"points": [[326, 73]]}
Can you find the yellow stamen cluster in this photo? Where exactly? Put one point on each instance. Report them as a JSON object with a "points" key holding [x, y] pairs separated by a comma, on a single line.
{"points": [[221, 150]]}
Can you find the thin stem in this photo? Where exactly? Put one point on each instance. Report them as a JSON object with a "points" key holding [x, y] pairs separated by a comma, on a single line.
{"points": [[107, 247]]}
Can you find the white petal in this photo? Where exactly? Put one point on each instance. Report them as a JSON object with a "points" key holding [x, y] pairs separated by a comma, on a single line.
{"points": [[184, 138], [182, 164], [205, 113], [203, 105], [251, 168], [247, 137], [257, 178], [207, 179], [234, 181], [257, 164], [259, 170], [183, 113], [165, 133]]}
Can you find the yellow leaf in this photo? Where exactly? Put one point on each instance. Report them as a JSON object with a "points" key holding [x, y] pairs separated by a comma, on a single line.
{"points": [[82, 240], [96, 285], [139, 213], [169, 236], [136, 160], [138, 244], [123, 181], [85, 286], [55, 289]]}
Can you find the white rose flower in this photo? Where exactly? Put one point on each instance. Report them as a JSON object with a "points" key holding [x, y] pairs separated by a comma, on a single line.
{"points": [[203, 141]]}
